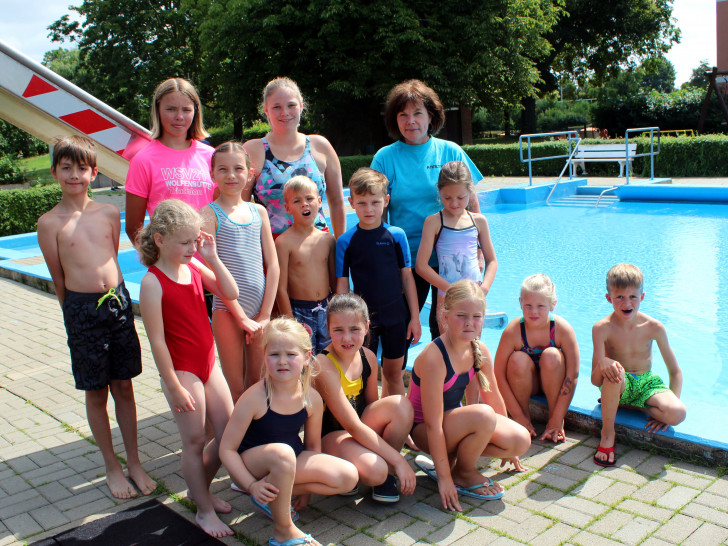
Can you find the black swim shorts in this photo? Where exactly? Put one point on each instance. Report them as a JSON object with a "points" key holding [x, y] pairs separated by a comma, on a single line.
{"points": [[102, 337]]}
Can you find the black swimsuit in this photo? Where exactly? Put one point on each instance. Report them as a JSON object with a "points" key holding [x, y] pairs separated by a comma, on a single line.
{"points": [[275, 428]]}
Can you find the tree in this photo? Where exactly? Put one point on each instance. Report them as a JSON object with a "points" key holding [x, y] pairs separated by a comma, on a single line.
{"points": [[346, 55], [65, 63], [698, 78], [126, 47], [594, 39], [658, 73]]}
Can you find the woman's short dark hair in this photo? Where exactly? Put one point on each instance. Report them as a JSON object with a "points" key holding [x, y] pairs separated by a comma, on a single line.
{"points": [[411, 91]]}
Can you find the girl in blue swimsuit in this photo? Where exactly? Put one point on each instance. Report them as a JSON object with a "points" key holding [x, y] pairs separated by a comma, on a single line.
{"points": [[261, 447]]}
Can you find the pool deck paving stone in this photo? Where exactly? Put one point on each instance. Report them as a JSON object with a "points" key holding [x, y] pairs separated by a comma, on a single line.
{"points": [[51, 475]]}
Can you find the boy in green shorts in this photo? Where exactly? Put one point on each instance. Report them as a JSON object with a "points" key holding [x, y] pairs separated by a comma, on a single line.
{"points": [[622, 362], [79, 239]]}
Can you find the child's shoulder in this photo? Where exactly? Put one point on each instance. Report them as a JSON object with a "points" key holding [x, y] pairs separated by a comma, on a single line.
{"points": [[51, 220]]}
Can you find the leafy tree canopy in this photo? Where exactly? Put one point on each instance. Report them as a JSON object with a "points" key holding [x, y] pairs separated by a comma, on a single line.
{"points": [[126, 47], [698, 78], [346, 55]]}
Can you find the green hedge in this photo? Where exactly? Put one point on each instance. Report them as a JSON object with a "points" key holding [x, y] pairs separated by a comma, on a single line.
{"points": [[351, 163], [679, 157], [20, 209], [10, 170]]}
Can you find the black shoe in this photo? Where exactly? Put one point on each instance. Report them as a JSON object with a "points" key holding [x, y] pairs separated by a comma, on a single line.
{"points": [[351, 493], [386, 492]]}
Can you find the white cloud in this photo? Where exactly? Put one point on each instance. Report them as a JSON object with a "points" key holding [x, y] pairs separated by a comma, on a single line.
{"points": [[24, 24]]}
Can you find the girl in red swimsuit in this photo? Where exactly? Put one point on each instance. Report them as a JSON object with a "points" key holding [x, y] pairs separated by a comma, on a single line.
{"points": [[172, 301]]}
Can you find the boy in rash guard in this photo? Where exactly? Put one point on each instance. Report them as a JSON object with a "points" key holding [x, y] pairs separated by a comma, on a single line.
{"points": [[377, 258]]}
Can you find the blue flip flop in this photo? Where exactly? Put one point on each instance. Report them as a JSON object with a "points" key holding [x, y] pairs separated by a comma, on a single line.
{"points": [[427, 466], [306, 539], [470, 491], [266, 510]]}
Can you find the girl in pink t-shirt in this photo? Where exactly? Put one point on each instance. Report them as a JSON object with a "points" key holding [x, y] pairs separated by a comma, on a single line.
{"points": [[175, 164]]}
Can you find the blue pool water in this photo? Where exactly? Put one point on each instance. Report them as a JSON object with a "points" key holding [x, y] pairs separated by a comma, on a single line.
{"points": [[682, 250]]}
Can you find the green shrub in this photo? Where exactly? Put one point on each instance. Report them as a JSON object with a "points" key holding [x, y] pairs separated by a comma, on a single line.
{"points": [[16, 142], [220, 134], [10, 171], [351, 163], [258, 130], [20, 209], [700, 156]]}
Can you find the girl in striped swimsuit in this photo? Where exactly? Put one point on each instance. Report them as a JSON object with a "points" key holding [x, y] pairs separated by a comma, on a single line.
{"points": [[245, 245]]}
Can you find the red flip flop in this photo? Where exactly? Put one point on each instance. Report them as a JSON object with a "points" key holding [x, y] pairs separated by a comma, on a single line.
{"points": [[606, 451]]}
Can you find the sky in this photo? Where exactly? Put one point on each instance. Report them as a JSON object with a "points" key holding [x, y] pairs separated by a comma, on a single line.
{"points": [[24, 27]]}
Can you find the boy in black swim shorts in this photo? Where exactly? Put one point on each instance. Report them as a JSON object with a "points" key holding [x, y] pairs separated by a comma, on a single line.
{"points": [[79, 239]]}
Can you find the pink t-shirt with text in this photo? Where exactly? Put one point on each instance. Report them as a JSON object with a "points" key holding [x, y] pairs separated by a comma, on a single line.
{"points": [[158, 173]]}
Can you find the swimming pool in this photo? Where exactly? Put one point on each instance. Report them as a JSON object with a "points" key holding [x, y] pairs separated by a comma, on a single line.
{"points": [[682, 250]]}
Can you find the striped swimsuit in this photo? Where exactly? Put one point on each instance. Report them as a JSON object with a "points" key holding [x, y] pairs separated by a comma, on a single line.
{"points": [[239, 248]]}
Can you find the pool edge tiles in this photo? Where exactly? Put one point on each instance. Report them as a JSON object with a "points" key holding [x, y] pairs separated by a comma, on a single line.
{"points": [[629, 427]]}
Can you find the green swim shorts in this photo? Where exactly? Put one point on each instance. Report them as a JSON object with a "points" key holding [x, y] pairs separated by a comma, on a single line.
{"points": [[640, 387]]}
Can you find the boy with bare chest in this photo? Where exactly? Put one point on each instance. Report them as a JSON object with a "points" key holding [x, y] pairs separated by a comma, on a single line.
{"points": [[622, 362], [80, 241], [306, 258]]}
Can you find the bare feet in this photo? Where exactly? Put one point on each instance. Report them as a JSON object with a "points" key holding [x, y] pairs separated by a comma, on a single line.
{"points": [[144, 483], [119, 485], [213, 525], [220, 506], [473, 478]]}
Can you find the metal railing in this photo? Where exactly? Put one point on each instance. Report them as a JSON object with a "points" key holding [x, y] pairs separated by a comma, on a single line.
{"points": [[605, 191], [652, 153], [572, 138], [568, 164]]}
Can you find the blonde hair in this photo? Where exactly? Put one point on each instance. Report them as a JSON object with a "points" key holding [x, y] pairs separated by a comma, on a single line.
{"points": [[624, 276], [540, 284], [283, 83], [368, 181], [79, 149], [467, 290], [455, 172], [169, 216], [298, 183], [286, 326], [197, 129]]}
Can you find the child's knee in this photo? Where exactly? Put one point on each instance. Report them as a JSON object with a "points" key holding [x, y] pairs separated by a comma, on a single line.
{"points": [[97, 397], [520, 366], [122, 390], [372, 469], [552, 361], [392, 369], [282, 459], [485, 417], [675, 413], [349, 476], [402, 410]]}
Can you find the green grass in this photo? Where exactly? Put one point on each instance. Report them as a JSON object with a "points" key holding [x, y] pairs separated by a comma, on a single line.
{"points": [[38, 169]]}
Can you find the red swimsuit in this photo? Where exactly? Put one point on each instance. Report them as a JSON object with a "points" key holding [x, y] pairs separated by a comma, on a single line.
{"points": [[187, 330]]}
